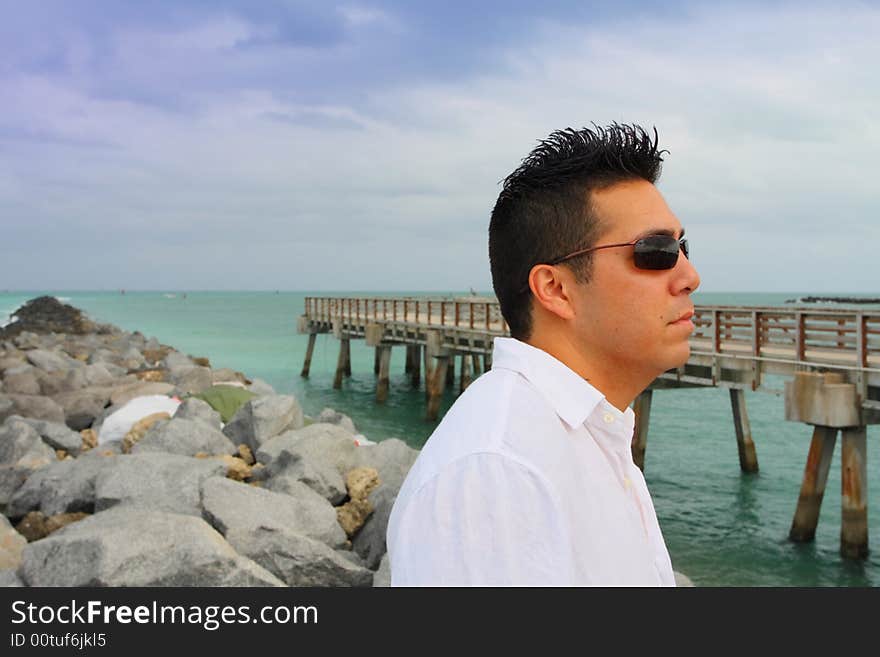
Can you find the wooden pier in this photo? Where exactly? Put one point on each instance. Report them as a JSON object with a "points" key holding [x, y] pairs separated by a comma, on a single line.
{"points": [[830, 357]]}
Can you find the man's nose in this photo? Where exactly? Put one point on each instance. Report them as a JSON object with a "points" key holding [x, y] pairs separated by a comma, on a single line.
{"points": [[687, 279]]}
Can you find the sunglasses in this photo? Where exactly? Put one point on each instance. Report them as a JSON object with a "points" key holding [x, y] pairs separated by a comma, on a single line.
{"points": [[654, 252]]}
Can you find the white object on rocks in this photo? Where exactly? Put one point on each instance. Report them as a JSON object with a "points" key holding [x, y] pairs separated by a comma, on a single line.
{"points": [[118, 424]]}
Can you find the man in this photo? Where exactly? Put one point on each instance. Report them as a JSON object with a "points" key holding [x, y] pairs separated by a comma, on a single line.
{"points": [[529, 478]]}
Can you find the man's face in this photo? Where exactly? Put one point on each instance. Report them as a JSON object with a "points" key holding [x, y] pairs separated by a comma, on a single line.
{"points": [[626, 317]]}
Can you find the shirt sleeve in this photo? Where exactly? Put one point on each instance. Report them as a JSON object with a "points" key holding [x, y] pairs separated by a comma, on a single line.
{"points": [[484, 520]]}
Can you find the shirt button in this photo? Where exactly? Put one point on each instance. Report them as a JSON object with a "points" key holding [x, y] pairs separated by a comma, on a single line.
{"points": [[626, 483], [608, 418]]}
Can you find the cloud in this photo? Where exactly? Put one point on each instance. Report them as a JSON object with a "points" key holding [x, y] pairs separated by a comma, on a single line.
{"points": [[221, 140]]}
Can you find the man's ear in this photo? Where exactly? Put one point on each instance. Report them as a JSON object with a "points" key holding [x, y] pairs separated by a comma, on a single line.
{"points": [[551, 287]]}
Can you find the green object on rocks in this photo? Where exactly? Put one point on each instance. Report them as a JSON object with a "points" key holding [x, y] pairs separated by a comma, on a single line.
{"points": [[226, 400]]}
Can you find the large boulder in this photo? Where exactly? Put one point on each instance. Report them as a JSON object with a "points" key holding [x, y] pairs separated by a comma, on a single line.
{"points": [[297, 559], [184, 437], [9, 579], [97, 374], [330, 416], [322, 477], [261, 388], [192, 380], [369, 542], [57, 435], [21, 381], [83, 407], [318, 455], [62, 487], [231, 506], [175, 361], [123, 394], [11, 545], [197, 409], [22, 452], [7, 407], [393, 458], [37, 406], [138, 547], [158, 481], [382, 578], [52, 361], [263, 418]]}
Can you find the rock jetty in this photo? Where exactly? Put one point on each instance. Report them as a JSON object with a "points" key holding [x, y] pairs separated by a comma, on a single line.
{"points": [[870, 300], [270, 498]]}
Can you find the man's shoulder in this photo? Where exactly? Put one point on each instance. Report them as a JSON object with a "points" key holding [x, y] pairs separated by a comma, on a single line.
{"points": [[488, 418]]}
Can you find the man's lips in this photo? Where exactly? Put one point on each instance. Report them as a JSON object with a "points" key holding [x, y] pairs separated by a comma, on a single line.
{"points": [[684, 318]]}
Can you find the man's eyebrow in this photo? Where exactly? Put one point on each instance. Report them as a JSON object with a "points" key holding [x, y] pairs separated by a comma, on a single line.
{"points": [[660, 231]]}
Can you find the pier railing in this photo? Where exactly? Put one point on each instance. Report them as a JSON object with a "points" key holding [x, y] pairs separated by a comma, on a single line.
{"points": [[477, 314], [841, 339]]}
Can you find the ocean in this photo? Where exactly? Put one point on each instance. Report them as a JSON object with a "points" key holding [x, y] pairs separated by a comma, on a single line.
{"points": [[722, 527]]}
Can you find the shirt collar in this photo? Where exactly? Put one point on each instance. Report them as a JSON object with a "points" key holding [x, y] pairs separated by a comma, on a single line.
{"points": [[572, 397]]}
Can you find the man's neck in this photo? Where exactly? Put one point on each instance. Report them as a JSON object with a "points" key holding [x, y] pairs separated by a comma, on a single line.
{"points": [[617, 381]]}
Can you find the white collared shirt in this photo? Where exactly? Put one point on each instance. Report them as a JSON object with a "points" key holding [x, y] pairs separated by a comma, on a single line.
{"points": [[528, 480]]}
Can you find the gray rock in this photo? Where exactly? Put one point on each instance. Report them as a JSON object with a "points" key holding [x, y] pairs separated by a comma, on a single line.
{"points": [[330, 416], [316, 443], [263, 418], [318, 455], [97, 374], [123, 394], [231, 506], [11, 545], [102, 355], [133, 359], [184, 437], [76, 379], [392, 458], [192, 380], [57, 435], [62, 487], [321, 477], [52, 383], [21, 381], [226, 375], [36, 406], [382, 578], [197, 409], [261, 388], [162, 482], [11, 363], [9, 579], [297, 559], [22, 452], [7, 407], [51, 361], [27, 340], [369, 542], [116, 371], [82, 407], [133, 547], [176, 361]]}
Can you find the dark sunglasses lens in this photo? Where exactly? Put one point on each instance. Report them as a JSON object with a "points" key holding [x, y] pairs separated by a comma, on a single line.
{"points": [[657, 252]]}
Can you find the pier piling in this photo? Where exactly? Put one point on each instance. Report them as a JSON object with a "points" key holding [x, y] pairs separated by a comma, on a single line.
{"points": [[384, 352], [806, 516], [642, 410], [854, 493], [307, 363], [437, 387], [748, 458]]}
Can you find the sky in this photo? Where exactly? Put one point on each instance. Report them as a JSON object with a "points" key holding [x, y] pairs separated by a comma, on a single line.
{"points": [[360, 146]]}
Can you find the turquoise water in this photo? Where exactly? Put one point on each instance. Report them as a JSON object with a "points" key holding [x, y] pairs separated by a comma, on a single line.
{"points": [[722, 527]]}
